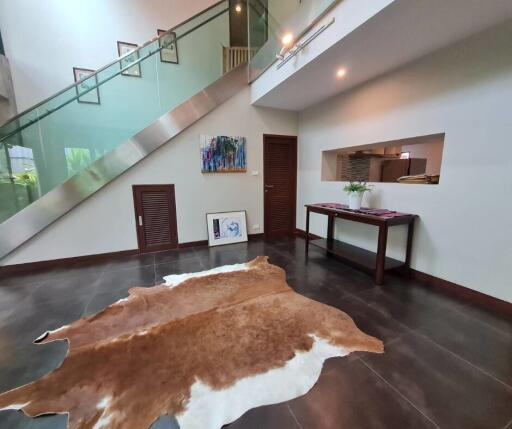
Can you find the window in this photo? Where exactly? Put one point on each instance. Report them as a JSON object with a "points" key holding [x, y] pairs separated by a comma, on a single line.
{"points": [[411, 160], [21, 159], [19, 182], [77, 159]]}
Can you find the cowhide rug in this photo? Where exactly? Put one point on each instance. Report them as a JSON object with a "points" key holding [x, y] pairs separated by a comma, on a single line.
{"points": [[204, 347]]}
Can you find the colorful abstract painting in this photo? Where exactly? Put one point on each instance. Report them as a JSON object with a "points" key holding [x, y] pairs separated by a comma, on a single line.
{"points": [[222, 154]]}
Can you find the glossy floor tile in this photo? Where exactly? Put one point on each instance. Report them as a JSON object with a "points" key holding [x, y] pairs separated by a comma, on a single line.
{"points": [[451, 392], [447, 364], [347, 395]]}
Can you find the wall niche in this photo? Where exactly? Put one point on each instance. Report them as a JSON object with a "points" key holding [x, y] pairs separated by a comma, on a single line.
{"points": [[413, 160]]}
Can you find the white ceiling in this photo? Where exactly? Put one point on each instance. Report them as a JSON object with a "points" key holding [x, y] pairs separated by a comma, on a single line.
{"points": [[402, 32]]}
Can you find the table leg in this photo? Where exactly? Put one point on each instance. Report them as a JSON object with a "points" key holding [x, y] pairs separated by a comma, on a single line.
{"points": [[307, 230], [381, 254], [330, 227], [410, 234]]}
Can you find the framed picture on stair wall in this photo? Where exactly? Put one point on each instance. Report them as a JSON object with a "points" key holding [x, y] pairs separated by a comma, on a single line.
{"points": [[129, 54], [169, 45], [90, 96]]}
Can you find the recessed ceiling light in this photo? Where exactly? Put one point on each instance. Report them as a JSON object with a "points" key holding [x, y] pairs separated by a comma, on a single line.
{"points": [[341, 73], [287, 39], [238, 8]]}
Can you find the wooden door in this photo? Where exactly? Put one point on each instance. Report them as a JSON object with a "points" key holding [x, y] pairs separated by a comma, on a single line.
{"points": [[280, 182], [155, 217]]}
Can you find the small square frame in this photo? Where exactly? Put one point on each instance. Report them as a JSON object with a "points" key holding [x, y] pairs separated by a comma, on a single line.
{"points": [[166, 54], [77, 71], [135, 70]]}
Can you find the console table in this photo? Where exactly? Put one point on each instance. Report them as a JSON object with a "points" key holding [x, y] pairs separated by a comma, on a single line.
{"points": [[377, 263]]}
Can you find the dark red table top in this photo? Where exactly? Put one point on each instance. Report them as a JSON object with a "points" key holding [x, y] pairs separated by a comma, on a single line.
{"points": [[343, 208]]}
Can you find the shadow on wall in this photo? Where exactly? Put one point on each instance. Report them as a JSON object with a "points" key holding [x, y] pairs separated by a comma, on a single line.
{"points": [[2, 50]]}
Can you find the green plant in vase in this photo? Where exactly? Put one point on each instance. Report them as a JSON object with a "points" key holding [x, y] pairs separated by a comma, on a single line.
{"points": [[355, 191]]}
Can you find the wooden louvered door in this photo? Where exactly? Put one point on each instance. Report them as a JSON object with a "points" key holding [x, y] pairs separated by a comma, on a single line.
{"points": [[155, 216], [280, 182]]}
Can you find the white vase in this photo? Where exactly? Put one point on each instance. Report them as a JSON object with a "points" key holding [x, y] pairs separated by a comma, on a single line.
{"points": [[354, 200]]}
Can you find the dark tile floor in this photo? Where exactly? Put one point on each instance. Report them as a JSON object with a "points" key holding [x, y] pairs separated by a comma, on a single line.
{"points": [[447, 364]]}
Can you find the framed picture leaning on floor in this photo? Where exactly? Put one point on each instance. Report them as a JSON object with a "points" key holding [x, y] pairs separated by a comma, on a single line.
{"points": [[226, 228]]}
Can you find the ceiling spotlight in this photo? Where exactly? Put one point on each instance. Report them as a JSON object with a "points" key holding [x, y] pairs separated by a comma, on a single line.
{"points": [[238, 8], [341, 73], [287, 39]]}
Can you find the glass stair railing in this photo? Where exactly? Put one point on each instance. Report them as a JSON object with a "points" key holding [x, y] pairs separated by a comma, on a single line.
{"points": [[62, 150], [46, 145]]}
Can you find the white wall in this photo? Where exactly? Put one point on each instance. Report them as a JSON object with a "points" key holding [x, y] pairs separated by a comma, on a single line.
{"points": [[105, 222], [44, 40], [464, 233]]}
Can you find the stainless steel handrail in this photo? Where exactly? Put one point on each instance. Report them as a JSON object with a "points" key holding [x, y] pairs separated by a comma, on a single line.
{"points": [[301, 45], [61, 199], [299, 36], [37, 216], [117, 60], [98, 84]]}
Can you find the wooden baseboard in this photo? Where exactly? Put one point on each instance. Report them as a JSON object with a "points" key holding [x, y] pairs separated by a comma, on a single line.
{"points": [[250, 237], [80, 261], [193, 244], [477, 298], [75, 261], [472, 296], [259, 236], [302, 234]]}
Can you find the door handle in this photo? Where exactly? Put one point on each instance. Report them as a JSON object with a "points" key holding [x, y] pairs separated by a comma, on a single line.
{"points": [[269, 186], [140, 220]]}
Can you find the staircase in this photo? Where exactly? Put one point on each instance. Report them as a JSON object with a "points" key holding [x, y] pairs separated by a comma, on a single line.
{"points": [[234, 56], [64, 149]]}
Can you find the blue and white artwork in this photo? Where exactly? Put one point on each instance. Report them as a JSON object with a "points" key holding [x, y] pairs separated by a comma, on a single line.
{"points": [[226, 228], [223, 154]]}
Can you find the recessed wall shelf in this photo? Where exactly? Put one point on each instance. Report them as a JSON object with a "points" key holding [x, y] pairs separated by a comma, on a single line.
{"points": [[410, 160]]}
